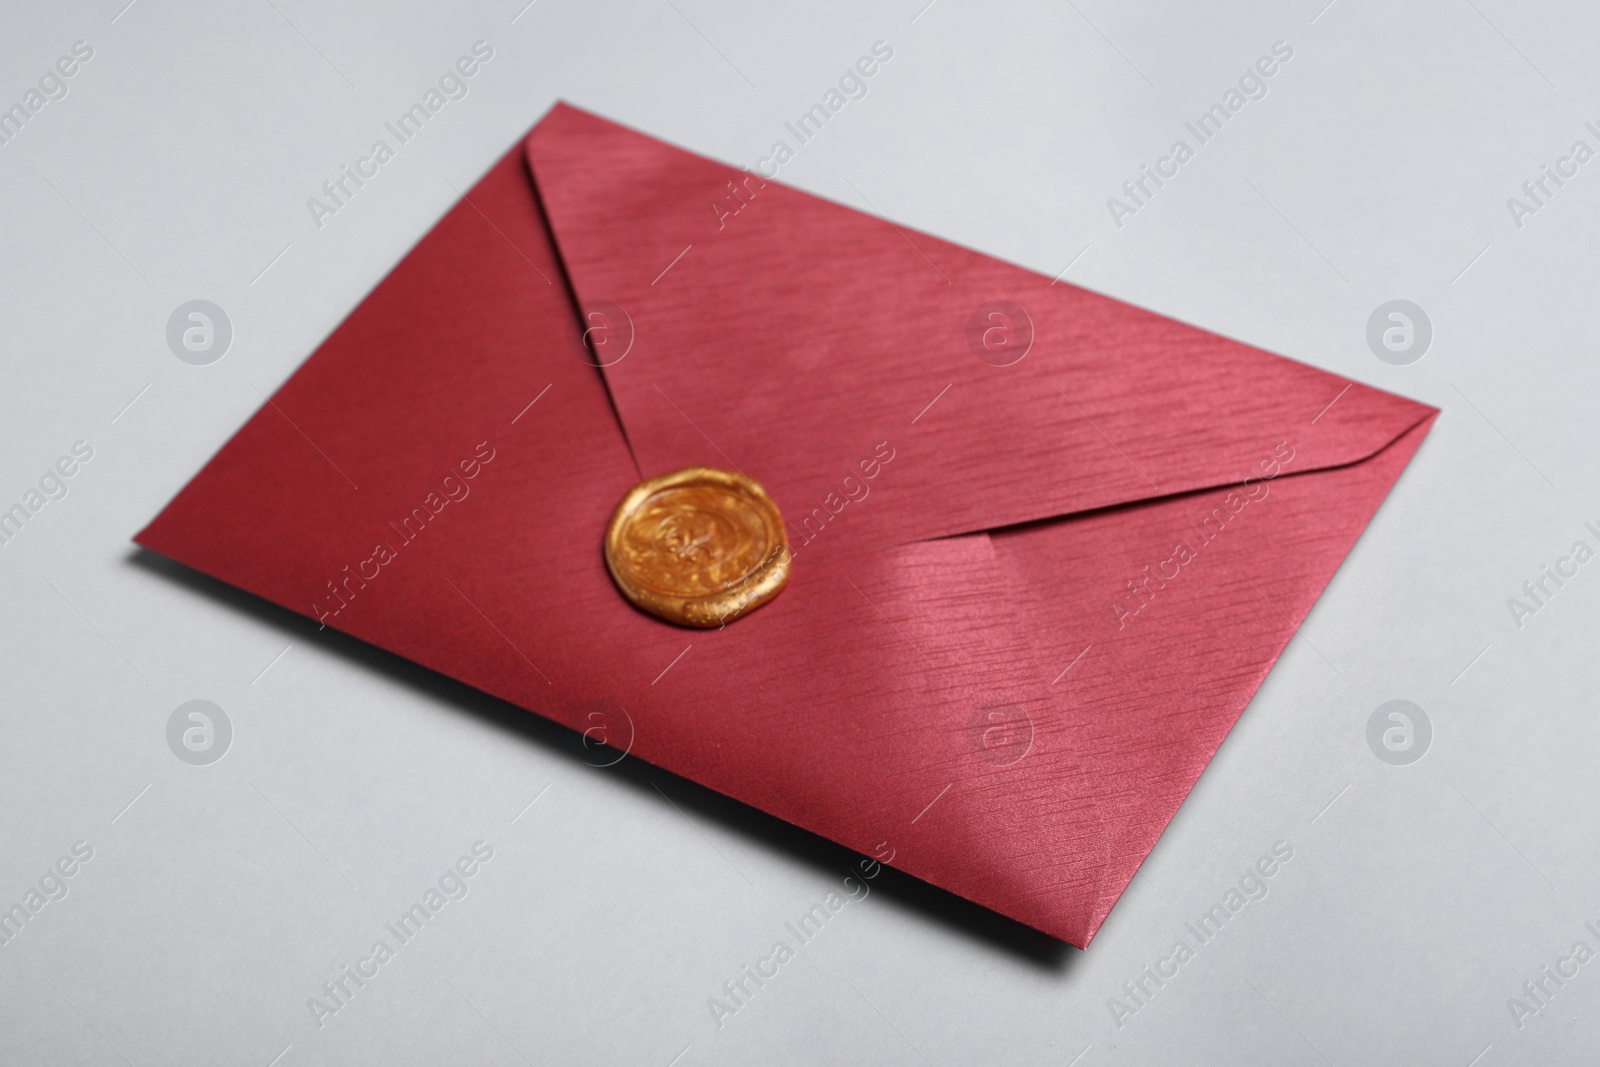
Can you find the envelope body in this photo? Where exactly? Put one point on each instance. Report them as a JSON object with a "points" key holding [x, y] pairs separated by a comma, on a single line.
{"points": [[1046, 544]]}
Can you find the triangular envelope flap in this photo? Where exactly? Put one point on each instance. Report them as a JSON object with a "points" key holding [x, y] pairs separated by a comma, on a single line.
{"points": [[850, 705], [1168, 615], [749, 324]]}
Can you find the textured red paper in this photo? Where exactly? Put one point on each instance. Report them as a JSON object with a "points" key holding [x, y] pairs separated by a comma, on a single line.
{"points": [[906, 692]]}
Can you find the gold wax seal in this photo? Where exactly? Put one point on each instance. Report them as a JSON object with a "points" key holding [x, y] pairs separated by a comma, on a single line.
{"points": [[698, 547]]}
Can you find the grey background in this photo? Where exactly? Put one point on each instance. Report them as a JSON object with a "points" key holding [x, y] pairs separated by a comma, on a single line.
{"points": [[219, 898]]}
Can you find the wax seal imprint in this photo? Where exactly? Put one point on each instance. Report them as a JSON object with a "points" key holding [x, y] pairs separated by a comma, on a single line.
{"points": [[698, 547]]}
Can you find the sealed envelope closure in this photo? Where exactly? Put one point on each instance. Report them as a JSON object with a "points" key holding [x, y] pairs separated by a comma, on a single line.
{"points": [[698, 547], [1046, 546]]}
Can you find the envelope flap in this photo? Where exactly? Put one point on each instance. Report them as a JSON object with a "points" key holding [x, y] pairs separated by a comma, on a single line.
{"points": [[746, 324]]}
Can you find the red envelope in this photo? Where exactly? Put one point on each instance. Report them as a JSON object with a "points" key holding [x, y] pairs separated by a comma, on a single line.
{"points": [[1046, 545]]}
